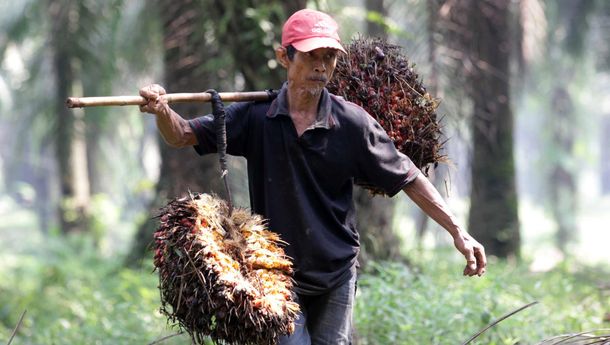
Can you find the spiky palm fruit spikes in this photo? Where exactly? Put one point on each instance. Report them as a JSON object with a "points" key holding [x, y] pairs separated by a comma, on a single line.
{"points": [[378, 77], [223, 277]]}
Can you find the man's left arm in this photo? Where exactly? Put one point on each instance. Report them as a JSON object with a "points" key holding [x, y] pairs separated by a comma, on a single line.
{"points": [[425, 195]]}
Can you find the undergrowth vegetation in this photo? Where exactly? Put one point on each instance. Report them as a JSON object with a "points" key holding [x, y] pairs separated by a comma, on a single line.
{"points": [[74, 295], [435, 304]]}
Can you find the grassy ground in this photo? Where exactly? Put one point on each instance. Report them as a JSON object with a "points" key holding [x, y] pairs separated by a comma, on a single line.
{"points": [[436, 305], [75, 293], [74, 296]]}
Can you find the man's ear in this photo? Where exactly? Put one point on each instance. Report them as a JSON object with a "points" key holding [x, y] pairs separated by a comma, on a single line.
{"points": [[281, 55]]}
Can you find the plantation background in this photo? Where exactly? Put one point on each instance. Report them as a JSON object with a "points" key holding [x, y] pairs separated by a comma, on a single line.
{"points": [[525, 107]]}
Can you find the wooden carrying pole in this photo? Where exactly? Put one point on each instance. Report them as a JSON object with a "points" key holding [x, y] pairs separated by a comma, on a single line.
{"points": [[80, 102]]}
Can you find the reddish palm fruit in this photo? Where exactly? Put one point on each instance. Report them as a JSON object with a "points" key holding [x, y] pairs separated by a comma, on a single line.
{"points": [[224, 277], [377, 76]]}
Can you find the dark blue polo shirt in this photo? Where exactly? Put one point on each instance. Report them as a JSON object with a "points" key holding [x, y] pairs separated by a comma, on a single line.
{"points": [[303, 185]]}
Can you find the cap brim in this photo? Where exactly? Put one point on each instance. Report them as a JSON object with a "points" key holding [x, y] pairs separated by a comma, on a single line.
{"points": [[310, 44]]}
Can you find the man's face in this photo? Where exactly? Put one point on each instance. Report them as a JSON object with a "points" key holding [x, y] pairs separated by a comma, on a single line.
{"points": [[311, 70]]}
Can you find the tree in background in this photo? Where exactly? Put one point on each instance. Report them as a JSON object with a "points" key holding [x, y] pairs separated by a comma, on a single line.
{"points": [[562, 179], [432, 85], [84, 46], [70, 143], [81, 34], [556, 84], [479, 37], [209, 44], [375, 214], [248, 30], [493, 217], [569, 24], [29, 161], [186, 52], [571, 32]]}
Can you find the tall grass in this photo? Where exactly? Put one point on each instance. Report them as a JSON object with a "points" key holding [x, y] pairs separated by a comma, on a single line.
{"points": [[74, 295], [437, 305]]}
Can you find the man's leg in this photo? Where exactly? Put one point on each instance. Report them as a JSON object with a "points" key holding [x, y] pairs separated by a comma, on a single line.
{"points": [[325, 319], [329, 316]]}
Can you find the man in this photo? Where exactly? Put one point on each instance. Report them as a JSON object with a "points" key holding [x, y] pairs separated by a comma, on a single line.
{"points": [[304, 151]]}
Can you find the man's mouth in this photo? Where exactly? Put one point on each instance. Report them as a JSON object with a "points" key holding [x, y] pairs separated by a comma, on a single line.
{"points": [[318, 79]]}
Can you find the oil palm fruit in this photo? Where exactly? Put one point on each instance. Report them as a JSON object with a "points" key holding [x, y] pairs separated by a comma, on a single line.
{"points": [[222, 276], [377, 76]]}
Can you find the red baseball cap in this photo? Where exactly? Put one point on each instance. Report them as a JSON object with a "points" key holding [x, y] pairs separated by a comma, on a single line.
{"points": [[307, 30]]}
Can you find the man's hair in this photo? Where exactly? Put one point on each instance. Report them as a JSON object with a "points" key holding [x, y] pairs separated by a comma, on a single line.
{"points": [[290, 51]]}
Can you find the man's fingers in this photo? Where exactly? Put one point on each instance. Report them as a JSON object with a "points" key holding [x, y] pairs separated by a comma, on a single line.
{"points": [[473, 253], [146, 92], [476, 262], [147, 108], [149, 95], [152, 92], [481, 260], [469, 270], [159, 89], [471, 260]]}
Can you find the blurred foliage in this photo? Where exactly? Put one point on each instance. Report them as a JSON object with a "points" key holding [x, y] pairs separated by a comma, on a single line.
{"points": [[111, 48], [570, 20], [75, 295], [75, 290], [562, 144], [436, 305]]}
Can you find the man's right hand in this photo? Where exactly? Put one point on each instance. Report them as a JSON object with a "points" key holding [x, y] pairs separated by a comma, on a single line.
{"points": [[156, 104], [175, 130]]}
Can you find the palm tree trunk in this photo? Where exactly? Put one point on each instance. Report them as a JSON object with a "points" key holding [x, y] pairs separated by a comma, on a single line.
{"points": [[562, 178], [432, 8], [375, 214], [182, 170], [70, 143], [493, 217]]}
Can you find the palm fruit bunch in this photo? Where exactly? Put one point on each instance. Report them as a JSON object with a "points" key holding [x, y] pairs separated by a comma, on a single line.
{"points": [[222, 275], [377, 76]]}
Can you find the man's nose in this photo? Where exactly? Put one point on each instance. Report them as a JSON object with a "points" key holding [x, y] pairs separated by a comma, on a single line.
{"points": [[320, 67]]}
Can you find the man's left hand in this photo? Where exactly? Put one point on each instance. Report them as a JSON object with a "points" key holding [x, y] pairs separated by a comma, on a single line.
{"points": [[473, 251]]}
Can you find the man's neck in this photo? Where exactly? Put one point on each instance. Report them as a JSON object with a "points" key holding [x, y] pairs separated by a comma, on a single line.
{"points": [[303, 101], [303, 107]]}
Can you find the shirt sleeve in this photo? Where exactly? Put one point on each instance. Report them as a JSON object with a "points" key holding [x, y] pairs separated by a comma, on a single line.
{"points": [[237, 130], [380, 164]]}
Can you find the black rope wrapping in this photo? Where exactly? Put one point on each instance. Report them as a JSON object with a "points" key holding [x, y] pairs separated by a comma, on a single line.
{"points": [[272, 94], [218, 110]]}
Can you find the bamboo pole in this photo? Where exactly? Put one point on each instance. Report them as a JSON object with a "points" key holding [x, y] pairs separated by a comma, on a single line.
{"points": [[80, 102]]}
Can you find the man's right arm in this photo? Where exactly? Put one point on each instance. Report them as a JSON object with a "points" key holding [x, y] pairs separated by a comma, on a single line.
{"points": [[175, 130]]}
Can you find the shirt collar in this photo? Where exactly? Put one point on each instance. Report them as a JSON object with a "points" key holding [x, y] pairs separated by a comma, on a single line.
{"points": [[324, 119]]}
